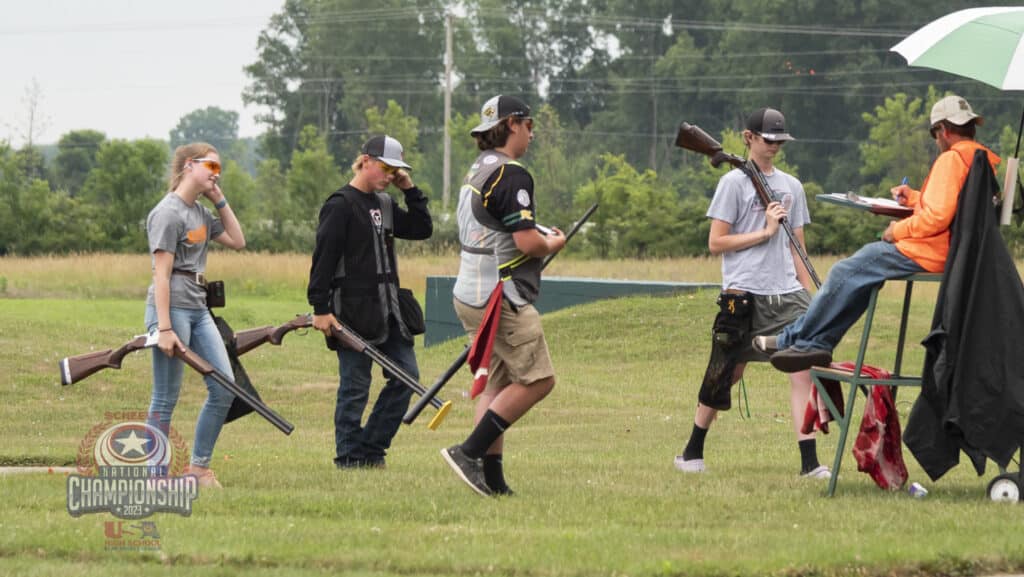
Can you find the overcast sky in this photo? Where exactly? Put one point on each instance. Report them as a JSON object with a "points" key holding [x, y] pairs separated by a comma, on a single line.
{"points": [[128, 68]]}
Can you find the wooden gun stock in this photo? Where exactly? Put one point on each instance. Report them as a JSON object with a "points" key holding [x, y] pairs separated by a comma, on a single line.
{"points": [[78, 367], [248, 340]]}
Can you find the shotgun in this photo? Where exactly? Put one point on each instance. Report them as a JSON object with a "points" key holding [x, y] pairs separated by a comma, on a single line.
{"points": [[694, 138], [428, 397], [78, 367], [348, 338], [74, 369]]}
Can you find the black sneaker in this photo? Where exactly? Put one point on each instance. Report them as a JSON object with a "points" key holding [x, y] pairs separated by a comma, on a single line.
{"points": [[471, 471], [793, 360]]}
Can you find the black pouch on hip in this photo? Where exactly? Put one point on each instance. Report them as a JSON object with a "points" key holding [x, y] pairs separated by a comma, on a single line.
{"points": [[215, 294], [412, 313], [731, 329]]}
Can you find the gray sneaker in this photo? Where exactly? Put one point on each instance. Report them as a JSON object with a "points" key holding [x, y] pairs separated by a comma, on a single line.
{"points": [[471, 471]]}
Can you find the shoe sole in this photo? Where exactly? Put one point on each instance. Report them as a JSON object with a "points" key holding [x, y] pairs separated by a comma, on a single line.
{"points": [[788, 362], [458, 471], [679, 467]]}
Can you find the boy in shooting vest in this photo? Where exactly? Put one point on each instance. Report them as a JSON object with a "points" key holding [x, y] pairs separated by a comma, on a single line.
{"points": [[765, 286], [501, 260], [354, 279]]}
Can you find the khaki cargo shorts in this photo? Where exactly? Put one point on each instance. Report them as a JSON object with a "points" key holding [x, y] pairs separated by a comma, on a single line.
{"points": [[520, 353]]}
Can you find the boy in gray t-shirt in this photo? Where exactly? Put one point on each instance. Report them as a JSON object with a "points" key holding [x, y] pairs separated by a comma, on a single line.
{"points": [[764, 287]]}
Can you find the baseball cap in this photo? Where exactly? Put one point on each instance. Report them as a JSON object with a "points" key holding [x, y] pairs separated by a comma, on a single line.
{"points": [[385, 149], [954, 109], [769, 123], [498, 108]]}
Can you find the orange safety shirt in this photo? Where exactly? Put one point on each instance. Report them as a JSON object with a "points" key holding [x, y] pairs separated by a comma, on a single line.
{"points": [[924, 236]]}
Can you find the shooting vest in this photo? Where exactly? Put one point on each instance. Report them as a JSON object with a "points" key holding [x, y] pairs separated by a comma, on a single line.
{"points": [[489, 253], [364, 291]]}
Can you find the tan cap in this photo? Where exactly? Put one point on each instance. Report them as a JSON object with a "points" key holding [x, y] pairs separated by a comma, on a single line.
{"points": [[954, 109]]}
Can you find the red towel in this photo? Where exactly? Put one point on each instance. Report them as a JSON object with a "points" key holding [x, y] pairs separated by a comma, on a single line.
{"points": [[879, 447], [480, 352]]}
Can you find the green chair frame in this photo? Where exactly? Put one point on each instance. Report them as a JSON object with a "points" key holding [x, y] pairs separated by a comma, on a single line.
{"points": [[858, 382]]}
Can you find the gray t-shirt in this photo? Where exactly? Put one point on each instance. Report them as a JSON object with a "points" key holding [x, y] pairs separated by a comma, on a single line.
{"points": [[185, 231], [766, 268]]}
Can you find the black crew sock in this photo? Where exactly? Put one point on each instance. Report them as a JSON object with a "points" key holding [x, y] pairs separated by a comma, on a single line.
{"points": [[808, 455], [695, 447], [494, 474], [490, 427]]}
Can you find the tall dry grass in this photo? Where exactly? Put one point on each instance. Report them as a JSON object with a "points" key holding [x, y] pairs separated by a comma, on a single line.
{"points": [[285, 275]]}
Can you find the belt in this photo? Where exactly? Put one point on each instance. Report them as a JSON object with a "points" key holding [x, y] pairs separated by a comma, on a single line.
{"points": [[198, 277]]}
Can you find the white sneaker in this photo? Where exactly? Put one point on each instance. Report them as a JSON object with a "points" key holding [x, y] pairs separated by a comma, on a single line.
{"points": [[691, 466], [819, 472]]}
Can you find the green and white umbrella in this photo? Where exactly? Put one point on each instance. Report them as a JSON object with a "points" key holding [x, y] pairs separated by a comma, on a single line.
{"points": [[986, 44]]}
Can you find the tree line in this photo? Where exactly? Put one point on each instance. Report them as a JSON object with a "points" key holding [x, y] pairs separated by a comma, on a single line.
{"points": [[609, 83]]}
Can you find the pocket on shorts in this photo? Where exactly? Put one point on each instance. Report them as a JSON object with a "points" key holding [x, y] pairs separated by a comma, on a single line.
{"points": [[526, 328]]}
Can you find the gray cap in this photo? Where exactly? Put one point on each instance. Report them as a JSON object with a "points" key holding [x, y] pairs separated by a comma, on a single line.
{"points": [[385, 149], [769, 123]]}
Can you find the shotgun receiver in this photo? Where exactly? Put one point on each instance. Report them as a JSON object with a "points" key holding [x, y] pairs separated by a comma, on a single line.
{"points": [[693, 138], [428, 396], [248, 340]]}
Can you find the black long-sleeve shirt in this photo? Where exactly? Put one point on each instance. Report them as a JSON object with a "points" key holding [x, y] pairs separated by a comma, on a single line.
{"points": [[336, 235]]}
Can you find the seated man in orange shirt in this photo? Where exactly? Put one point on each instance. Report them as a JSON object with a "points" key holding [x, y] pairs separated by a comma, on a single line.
{"points": [[917, 243]]}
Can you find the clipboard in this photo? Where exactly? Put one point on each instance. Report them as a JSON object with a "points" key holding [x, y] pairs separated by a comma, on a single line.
{"points": [[882, 206]]}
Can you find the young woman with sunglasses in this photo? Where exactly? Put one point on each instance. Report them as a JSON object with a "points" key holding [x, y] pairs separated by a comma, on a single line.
{"points": [[180, 229]]}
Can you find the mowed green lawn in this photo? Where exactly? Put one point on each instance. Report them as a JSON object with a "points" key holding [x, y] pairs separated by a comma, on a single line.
{"points": [[592, 465]]}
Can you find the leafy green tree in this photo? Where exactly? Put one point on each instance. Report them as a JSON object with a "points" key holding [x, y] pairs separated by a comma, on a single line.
{"points": [[238, 186], [128, 180], [76, 157], [556, 171], [897, 145], [639, 216], [271, 229], [212, 125], [313, 176]]}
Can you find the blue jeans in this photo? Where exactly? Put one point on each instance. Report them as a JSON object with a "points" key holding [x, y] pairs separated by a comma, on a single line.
{"points": [[844, 297], [370, 442], [196, 329]]}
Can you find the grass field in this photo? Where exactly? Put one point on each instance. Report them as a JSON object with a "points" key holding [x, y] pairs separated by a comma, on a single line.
{"points": [[592, 465]]}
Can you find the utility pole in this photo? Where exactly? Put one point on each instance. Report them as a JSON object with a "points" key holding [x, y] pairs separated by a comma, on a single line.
{"points": [[447, 164]]}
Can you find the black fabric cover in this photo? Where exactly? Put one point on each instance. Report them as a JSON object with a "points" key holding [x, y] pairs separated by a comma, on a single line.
{"points": [[239, 408], [972, 395]]}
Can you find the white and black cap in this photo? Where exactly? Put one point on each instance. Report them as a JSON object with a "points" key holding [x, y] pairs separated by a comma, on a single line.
{"points": [[499, 108], [769, 124], [385, 149]]}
